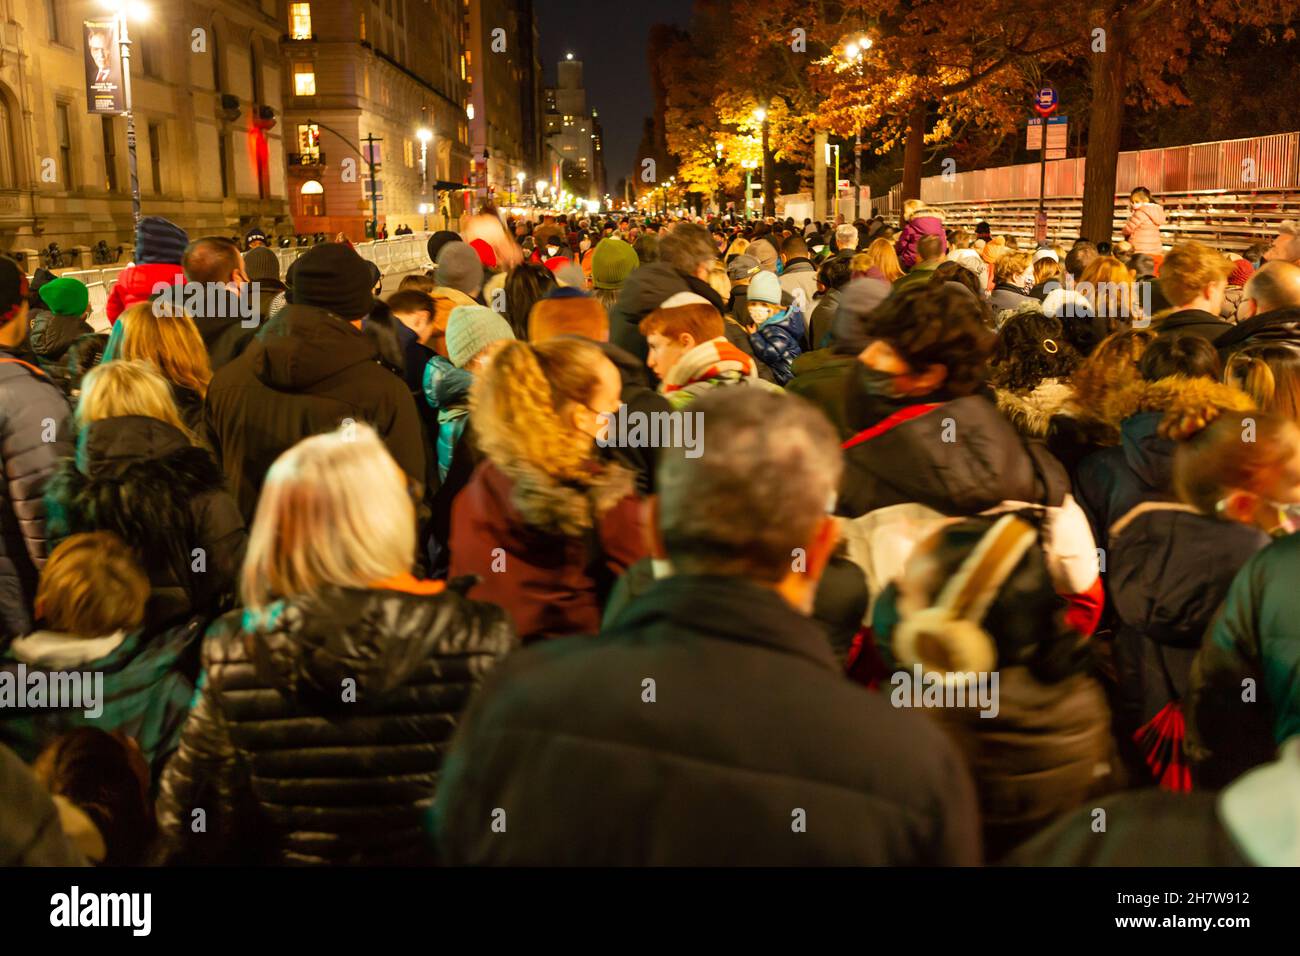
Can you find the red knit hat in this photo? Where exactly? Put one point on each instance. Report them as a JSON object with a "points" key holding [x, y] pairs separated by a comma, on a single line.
{"points": [[1242, 270], [486, 255]]}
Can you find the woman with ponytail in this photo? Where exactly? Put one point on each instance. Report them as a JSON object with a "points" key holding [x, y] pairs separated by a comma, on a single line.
{"points": [[544, 523]]}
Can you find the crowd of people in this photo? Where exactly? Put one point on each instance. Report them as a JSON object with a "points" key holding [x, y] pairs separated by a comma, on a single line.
{"points": [[944, 544]]}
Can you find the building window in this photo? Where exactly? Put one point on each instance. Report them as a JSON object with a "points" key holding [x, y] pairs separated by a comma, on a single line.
{"points": [[311, 199], [304, 79], [52, 21], [363, 26], [110, 154], [309, 141], [63, 130], [155, 156], [147, 45], [221, 161], [408, 153], [300, 21]]}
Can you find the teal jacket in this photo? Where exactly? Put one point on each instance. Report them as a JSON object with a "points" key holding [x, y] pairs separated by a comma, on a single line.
{"points": [[1245, 683], [148, 688]]}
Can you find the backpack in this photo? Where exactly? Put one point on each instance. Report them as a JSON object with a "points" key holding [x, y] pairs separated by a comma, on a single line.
{"points": [[880, 541]]}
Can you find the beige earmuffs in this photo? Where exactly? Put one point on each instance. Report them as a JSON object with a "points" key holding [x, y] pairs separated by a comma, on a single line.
{"points": [[948, 638]]}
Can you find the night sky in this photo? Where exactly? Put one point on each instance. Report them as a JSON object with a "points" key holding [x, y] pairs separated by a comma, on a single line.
{"points": [[610, 40]]}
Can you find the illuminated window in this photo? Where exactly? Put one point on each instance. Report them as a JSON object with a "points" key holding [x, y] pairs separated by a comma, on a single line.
{"points": [[300, 21], [408, 153], [311, 199], [304, 79]]}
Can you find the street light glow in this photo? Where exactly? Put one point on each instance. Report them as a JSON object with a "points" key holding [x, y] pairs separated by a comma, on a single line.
{"points": [[760, 114], [865, 43], [423, 135], [851, 51], [469, 110]]}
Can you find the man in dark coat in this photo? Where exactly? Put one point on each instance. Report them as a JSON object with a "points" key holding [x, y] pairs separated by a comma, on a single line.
{"points": [[685, 254], [218, 297], [1269, 313], [305, 372], [1194, 277], [34, 434], [709, 723]]}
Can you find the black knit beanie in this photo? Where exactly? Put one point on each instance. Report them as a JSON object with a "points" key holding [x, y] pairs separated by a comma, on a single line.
{"points": [[332, 276]]}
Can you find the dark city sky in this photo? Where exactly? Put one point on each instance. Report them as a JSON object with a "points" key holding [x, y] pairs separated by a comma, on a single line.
{"points": [[609, 37]]}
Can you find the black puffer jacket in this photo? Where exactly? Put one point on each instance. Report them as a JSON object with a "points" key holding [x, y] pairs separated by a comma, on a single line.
{"points": [[960, 459], [142, 479], [322, 729], [32, 409], [305, 373]]}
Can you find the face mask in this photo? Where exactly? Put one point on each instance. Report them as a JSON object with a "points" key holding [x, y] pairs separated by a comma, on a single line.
{"points": [[552, 251], [758, 314], [877, 383]]}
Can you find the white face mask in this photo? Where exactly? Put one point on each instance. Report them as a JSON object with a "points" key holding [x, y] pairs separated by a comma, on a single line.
{"points": [[758, 312]]}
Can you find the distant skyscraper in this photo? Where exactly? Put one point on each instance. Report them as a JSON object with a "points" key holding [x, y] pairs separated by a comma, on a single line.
{"points": [[572, 132]]}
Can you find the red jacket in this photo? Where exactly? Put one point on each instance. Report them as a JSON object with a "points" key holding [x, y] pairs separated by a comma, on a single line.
{"points": [[136, 284], [546, 581]]}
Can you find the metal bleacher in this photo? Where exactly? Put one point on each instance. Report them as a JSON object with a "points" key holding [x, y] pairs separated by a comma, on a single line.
{"points": [[1229, 193]]}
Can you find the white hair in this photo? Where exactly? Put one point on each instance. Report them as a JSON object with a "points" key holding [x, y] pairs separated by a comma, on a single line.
{"points": [[846, 236], [334, 510]]}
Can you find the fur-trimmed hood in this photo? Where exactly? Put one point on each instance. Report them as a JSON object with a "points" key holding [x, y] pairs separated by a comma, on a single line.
{"points": [[138, 477], [1177, 396], [1032, 412], [932, 211], [565, 508]]}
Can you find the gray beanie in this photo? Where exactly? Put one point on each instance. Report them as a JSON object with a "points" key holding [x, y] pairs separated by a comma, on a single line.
{"points": [[459, 268], [261, 264]]}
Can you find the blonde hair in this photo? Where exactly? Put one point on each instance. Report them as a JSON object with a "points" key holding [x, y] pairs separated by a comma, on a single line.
{"points": [[123, 387], [910, 206], [1188, 268], [882, 255], [170, 341], [518, 407], [1270, 374], [92, 586], [334, 510]]}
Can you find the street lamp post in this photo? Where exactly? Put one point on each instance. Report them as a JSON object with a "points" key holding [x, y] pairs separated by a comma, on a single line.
{"points": [[854, 52], [769, 199], [424, 136], [124, 42]]}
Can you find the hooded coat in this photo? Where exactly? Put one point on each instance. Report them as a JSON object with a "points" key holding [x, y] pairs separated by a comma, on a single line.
{"points": [[924, 222], [29, 402], [565, 729], [136, 283], [1142, 228], [909, 463], [141, 479], [1114, 480], [149, 681], [50, 337], [522, 534], [305, 372], [323, 725]]}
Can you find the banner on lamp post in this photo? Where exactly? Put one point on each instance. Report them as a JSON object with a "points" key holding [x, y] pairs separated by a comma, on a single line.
{"points": [[103, 59]]}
